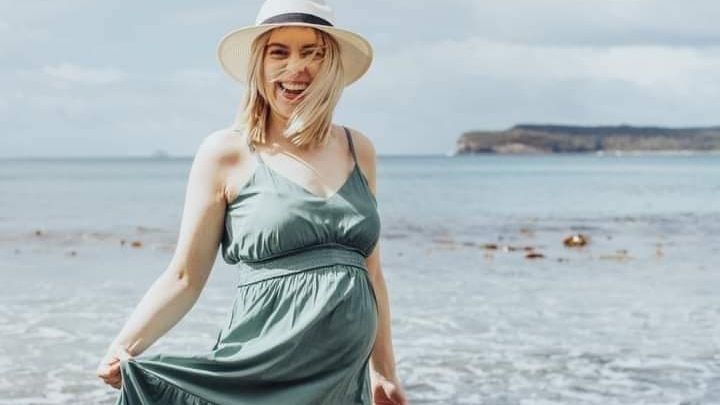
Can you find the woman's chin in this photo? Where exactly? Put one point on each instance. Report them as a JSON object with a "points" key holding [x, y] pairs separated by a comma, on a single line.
{"points": [[282, 110], [286, 107]]}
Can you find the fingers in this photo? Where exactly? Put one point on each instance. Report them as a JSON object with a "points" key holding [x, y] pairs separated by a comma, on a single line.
{"points": [[110, 377], [114, 380], [397, 397], [116, 383], [110, 373], [389, 394], [108, 369]]}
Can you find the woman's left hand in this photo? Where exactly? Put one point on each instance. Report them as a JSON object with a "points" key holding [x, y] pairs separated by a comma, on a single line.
{"points": [[109, 368], [386, 390]]}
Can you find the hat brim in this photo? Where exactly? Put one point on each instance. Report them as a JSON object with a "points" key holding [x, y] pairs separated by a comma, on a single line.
{"points": [[233, 51]]}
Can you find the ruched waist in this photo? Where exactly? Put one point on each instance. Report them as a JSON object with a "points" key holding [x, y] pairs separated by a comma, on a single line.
{"points": [[304, 259]]}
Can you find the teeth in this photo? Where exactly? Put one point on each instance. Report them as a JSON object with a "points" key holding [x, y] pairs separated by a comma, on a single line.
{"points": [[294, 86]]}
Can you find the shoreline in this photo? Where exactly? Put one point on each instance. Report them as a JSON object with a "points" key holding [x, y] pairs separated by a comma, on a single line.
{"points": [[679, 152]]}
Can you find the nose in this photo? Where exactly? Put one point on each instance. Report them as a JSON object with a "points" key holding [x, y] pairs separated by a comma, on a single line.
{"points": [[296, 65]]}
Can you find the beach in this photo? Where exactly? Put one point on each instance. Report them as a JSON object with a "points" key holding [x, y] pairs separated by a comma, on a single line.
{"points": [[489, 306]]}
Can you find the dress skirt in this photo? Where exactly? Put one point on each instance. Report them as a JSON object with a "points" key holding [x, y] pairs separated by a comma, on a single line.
{"points": [[291, 337]]}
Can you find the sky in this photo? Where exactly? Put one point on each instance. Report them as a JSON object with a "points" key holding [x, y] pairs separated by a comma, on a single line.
{"points": [[100, 78]]}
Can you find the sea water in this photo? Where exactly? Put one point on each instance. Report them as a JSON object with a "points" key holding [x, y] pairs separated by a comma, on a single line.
{"points": [[633, 317]]}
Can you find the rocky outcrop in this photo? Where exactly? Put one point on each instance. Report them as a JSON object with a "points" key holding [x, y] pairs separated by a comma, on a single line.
{"points": [[534, 139]]}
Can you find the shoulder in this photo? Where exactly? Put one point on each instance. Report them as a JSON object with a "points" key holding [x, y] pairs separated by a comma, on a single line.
{"points": [[221, 148], [216, 158], [364, 147]]}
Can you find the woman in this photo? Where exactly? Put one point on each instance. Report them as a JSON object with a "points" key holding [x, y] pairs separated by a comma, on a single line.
{"points": [[289, 198]]}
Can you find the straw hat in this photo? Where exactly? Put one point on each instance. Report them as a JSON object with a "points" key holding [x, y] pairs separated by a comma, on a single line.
{"points": [[234, 48]]}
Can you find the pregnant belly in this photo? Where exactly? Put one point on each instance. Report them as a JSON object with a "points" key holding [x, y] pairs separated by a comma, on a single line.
{"points": [[303, 323]]}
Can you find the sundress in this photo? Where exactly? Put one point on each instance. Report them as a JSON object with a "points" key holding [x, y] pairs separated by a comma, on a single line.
{"points": [[304, 319]]}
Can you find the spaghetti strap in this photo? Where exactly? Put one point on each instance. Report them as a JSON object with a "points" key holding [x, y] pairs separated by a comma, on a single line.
{"points": [[258, 159], [253, 151], [350, 142]]}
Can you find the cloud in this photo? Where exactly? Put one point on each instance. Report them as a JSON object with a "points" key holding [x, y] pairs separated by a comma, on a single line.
{"points": [[198, 77], [15, 40], [667, 68], [84, 75], [599, 22], [236, 13], [32, 24]]}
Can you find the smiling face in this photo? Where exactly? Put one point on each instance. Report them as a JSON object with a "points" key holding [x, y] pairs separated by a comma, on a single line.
{"points": [[294, 81], [291, 61]]}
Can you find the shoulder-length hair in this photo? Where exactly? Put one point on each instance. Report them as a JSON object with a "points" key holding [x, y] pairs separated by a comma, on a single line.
{"points": [[310, 121]]}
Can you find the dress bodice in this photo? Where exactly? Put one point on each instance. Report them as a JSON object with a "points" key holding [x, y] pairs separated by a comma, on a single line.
{"points": [[273, 216]]}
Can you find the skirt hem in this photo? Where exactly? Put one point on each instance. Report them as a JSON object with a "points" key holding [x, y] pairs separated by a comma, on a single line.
{"points": [[168, 392]]}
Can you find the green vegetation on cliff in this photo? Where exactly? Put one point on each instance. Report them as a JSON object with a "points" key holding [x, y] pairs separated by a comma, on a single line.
{"points": [[566, 138]]}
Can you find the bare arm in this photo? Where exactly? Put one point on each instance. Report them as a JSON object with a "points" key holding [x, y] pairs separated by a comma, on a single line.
{"points": [[382, 360], [177, 289], [386, 386]]}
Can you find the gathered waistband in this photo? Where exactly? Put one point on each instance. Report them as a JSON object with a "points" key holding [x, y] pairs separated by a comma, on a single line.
{"points": [[304, 259]]}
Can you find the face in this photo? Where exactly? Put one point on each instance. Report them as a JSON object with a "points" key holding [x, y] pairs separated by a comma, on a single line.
{"points": [[291, 61]]}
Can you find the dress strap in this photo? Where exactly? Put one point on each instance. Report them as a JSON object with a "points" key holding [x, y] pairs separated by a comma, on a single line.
{"points": [[350, 142], [254, 152]]}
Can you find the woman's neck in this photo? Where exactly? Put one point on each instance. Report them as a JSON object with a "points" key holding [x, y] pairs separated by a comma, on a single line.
{"points": [[275, 128]]}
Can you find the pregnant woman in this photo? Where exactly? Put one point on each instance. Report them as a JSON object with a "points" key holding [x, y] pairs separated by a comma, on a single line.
{"points": [[288, 197]]}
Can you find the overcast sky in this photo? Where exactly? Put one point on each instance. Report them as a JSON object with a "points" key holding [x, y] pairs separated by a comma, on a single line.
{"points": [[84, 78]]}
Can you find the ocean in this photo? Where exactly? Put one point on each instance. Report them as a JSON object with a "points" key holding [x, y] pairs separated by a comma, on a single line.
{"points": [[631, 318]]}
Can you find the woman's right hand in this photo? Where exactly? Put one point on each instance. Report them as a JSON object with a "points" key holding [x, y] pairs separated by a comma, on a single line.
{"points": [[109, 368]]}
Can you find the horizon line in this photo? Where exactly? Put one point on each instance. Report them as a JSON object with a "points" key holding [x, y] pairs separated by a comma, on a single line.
{"points": [[168, 157]]}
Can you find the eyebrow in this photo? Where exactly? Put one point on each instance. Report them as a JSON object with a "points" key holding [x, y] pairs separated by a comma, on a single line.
{"points": [[316, 45]]}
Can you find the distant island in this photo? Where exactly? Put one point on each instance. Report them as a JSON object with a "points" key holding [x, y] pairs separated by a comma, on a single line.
{"points": [[160, 154], [537, 139]]}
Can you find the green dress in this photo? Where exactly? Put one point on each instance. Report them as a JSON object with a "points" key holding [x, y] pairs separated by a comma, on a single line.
{"points": [[304, 318]]}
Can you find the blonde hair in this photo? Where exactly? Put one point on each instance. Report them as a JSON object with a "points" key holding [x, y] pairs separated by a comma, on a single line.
{"points": [[311, 119]]}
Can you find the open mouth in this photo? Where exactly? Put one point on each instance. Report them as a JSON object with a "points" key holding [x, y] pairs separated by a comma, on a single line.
{"points": [[292, 90]]}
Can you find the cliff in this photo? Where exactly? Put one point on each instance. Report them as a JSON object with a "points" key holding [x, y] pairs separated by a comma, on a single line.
{"points": [[534, 139]]}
